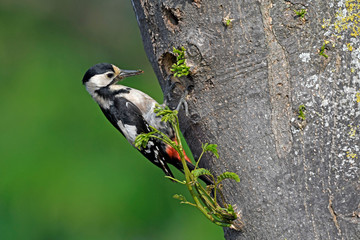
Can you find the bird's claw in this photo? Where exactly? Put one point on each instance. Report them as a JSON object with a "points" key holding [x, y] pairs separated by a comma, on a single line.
{"points": [[183, 102]]}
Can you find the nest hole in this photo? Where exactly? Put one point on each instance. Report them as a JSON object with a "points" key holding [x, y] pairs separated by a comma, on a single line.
{"points": [[171, 17], [166, 61]]}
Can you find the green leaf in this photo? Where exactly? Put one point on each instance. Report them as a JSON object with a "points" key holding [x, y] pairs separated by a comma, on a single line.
{"points": [[229, 175], [200, 171], [183, 199], [176, 180], [141, 140], [211, 148], [180, 197], [230, 208], [167, 114]]}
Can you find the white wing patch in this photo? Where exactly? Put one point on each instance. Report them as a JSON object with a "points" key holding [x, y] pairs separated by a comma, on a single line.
{"points": [[129, 131]]}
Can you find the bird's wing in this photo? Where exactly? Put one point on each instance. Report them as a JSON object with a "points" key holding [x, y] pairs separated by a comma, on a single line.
{"points": [[130, 122]]}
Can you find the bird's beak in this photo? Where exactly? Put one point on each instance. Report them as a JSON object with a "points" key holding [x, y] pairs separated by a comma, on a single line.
{"points": [[128, 73]]}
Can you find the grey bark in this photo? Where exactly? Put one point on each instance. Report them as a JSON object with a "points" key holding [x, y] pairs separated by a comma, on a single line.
{"points": [[299, 178]]}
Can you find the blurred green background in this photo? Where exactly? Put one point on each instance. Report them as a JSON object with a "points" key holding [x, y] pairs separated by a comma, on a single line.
{"points": [[65, 172]]}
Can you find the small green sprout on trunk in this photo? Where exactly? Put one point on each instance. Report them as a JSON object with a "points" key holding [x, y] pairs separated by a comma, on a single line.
{"points": [[221, 214], [301, 13], [302, 110], [322, 50], [227, 21]]}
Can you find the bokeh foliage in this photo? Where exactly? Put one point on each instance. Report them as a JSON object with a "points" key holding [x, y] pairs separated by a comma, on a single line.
{"points": [[65, 172]]}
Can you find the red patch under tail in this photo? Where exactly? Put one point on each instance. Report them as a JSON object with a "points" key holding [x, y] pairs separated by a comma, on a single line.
{"points": [[174, 154]]}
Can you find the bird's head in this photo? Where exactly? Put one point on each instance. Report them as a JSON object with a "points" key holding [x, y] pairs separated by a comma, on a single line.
{"points": [[106, 74]]}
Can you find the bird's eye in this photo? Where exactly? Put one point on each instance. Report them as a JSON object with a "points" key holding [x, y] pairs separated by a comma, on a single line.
{"points": [[110, 75]]}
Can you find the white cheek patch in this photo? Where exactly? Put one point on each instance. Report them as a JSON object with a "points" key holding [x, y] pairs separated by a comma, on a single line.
{"points": [[100, 80], [94, 84]]}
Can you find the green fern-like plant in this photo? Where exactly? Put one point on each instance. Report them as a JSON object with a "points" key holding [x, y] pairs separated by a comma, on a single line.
{"points": [[180, 68], [228, 175], [222, 215]]}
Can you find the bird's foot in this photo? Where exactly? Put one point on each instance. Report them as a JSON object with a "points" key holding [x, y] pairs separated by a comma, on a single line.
{"points": [[183, 102], [168, 97], [169, 89]]}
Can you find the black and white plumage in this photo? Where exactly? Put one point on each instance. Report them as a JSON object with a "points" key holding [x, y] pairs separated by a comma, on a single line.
{"points": [[132, 112]]}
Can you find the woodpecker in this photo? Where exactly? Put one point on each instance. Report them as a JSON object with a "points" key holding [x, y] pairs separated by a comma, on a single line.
{"points": [[131, 112]]}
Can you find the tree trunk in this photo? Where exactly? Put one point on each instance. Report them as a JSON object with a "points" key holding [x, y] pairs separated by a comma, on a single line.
{"points": [[253, 63]]}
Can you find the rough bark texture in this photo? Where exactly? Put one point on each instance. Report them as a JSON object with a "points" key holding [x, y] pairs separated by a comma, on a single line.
{"points": [[299, 178]]}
